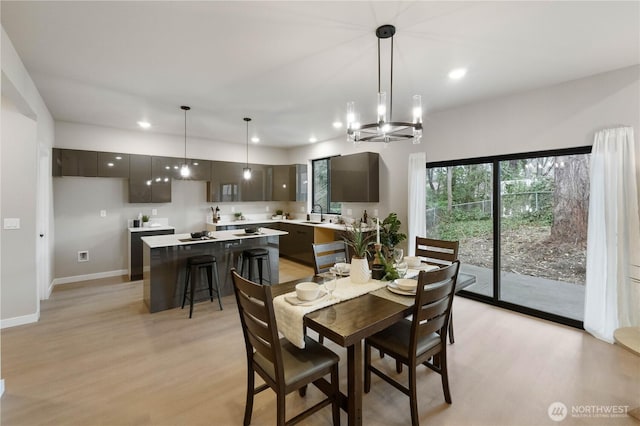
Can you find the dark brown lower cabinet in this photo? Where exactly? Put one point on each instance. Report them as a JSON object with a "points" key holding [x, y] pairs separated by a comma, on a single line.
{"points": [[298, 244]]}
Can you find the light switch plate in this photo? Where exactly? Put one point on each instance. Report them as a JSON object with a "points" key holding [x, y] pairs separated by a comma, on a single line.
{"points": [[233, 209], [12, 223], [154, 212], [375, 212], [349, 212], [267, 208], [103, 213]]}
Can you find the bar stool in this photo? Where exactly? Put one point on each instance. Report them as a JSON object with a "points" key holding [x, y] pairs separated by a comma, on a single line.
{"points": [[194, 264], [259, 255]]}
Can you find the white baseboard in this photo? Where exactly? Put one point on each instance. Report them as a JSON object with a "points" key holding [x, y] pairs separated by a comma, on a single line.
{"points": [[1, 387], [15, 321], [87, 277]]}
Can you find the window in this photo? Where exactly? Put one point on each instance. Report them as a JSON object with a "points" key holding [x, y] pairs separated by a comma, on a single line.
{"points": [[321, 186], [521, 222]]}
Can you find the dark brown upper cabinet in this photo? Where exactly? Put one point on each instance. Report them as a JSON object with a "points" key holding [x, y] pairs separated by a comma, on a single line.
{"points": [[355, 177], [149, 179], [225, 182], [113, 165], [73, 162], [139, 178], [288, 183], [198, 169]]}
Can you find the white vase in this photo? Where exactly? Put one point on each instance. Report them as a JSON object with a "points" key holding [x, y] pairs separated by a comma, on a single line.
{"points": [[146, 224], [359, 272]]}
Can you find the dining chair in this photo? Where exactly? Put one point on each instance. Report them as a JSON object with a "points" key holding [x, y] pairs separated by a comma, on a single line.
{"points": [[283, 367], [439, 253], [421, 340], [325, 255]]}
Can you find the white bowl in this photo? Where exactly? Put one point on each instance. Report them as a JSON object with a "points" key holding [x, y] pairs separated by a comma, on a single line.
{"points": [[307, 290], [407, 284], [413, 261]]}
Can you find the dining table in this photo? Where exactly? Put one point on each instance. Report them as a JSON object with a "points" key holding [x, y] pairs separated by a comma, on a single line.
{"points": [[347, 324]]}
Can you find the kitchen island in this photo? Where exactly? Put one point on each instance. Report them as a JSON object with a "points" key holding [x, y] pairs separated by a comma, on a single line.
{"points": [[165, 257]]}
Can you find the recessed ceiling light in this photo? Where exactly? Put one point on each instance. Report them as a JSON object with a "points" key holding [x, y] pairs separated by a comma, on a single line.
{"points": [[255, 139], [167, 167], [195, 163], [144, 124], [457, 73], [118, 158], [110, 164], [337, 124], [313, 139]]}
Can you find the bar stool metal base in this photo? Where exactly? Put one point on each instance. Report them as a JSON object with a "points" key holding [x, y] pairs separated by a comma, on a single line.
{"points": [[194, 264]]}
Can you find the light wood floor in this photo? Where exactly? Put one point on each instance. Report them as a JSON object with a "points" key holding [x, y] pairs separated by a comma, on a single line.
{"points": [[96, 357]]}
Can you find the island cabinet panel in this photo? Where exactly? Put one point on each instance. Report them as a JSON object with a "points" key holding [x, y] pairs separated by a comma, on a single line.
{"points": [[111, 164], [298, 244], [355, 178], [139, 178], [72, 162], [135, 250]]}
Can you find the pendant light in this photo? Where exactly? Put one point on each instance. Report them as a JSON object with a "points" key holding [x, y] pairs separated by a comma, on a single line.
{"points": [[184, 170], [246, 172]]}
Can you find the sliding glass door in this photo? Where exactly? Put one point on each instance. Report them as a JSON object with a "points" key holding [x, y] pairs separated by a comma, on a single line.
{"points": [[521, 221], [459, 207]]}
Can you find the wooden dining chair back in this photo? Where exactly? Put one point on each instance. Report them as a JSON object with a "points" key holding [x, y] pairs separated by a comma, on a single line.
{"points": [[437, 252], [421, 340], [283, 367], [325, 255], [440, 253]]}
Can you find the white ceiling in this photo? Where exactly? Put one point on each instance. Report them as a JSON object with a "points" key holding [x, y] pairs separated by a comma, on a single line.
{"points": [[292, 66]]}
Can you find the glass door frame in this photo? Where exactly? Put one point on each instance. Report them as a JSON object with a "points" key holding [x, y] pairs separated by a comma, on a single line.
{"points": [[496, 226]]}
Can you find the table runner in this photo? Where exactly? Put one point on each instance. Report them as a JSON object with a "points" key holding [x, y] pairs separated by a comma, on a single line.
{"points": [[290, 318], [398, 298]]}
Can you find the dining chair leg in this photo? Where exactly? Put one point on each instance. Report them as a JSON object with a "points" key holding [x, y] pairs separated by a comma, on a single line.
{"points": [[335, 405], [444, 374], [413, 398], [367, 364], [280, 410], [451, 339], [248, 408], [303, 391]]}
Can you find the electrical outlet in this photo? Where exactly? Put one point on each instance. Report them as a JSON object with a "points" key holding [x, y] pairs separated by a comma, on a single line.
{"points": [[375, 212], [268, 209], [12, 223], [233, 209], [302, 209], [103, 213], [154, 212], [83, 256]]}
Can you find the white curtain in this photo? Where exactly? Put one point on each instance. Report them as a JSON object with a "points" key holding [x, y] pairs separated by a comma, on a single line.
{"points": [[612, 295], [417, 225]]}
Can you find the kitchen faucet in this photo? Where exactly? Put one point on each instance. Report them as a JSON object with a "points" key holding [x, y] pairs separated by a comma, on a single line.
{"points": [[314, 208]]}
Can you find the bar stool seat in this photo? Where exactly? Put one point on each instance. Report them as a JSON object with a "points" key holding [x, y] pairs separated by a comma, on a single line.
{"points": [[259, 255], [194, 264]]}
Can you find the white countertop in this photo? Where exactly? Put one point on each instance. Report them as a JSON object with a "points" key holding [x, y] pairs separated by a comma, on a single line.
{"points": [[334, 226], [230, 235], [151, 228]]}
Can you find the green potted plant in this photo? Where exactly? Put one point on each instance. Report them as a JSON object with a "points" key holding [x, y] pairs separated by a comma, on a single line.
{"points": [[278, 214], [238, 215], [145, 221], [358, 240], [390, 235]]}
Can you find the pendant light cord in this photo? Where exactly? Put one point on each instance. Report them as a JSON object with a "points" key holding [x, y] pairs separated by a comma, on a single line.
{"points": [[247, 143], [185, 136]]}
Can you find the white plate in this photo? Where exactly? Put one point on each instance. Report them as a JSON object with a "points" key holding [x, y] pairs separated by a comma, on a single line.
{"points": [[406, 284], [394, 289], [343, 274], [293, 299]]}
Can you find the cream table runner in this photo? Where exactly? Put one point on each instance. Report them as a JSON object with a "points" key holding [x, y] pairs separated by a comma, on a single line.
{"points": [[290, 317]]}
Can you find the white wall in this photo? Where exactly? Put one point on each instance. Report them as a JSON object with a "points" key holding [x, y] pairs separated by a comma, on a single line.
{"points": [[20, 298], [19, 89], [560, 116], [97, 138]]}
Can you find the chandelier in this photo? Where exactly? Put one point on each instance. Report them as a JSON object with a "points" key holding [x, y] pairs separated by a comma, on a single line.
{"points": [[385, 129]]}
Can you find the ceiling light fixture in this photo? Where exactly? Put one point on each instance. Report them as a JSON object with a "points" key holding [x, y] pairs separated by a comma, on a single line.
{"points": [[457, 73], [313, 139], [246, 172], [337, 124], [184, 170], [144, 124], [255, 139], [385, 130]]}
